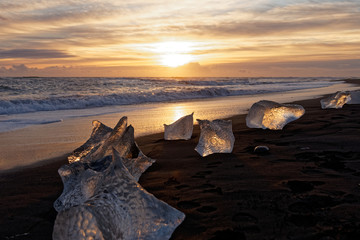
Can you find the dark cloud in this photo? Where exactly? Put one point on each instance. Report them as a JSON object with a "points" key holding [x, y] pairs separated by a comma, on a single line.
{"points": [[326, 65], [16, 69], [20, 68], [33, 53], [79, 12], [10, 6], [330, 64]]}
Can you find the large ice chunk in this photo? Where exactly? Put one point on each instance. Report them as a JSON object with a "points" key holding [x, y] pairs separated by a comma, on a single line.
{"points": [[215, 137], [180, 129], [103, 139], [272, 115], [103, 201], [79, 180], [336, 100]]}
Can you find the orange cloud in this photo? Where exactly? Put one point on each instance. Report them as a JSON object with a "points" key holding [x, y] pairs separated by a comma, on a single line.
{"points": [[104, 34]]}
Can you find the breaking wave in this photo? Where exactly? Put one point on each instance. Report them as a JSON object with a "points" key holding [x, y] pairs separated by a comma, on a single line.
{"points": [[49, 94]]}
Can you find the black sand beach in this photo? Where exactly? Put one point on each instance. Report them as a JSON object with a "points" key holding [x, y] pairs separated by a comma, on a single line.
{"points": [[305, 187]]}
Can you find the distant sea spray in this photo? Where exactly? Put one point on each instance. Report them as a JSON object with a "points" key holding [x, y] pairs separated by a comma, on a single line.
{"points": [[33, 94]]}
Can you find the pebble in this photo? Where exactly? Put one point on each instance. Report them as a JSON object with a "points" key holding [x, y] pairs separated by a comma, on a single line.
{"points": [[261, 149]]}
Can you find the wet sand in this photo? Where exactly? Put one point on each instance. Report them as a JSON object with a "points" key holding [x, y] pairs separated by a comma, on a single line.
{"points": [[305, 187]]}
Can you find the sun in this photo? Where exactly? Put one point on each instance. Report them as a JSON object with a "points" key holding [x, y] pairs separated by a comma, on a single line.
{"points": [[175, 60], [174, 53]]}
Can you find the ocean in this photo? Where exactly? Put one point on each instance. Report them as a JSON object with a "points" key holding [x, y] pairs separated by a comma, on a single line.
{"points": [[32, 94], [26, 101]]}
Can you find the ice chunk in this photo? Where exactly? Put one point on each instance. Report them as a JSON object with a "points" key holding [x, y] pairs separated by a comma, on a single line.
{"points": [[105, 202], [121, 138], [181, 129], [137, 166], [103, 139], [272, 115], [355, 97], [336, 100], [215, 137], [79, 180], [99, 133]]}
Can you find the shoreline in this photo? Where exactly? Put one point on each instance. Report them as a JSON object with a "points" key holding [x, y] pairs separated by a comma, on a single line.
{"points": [[310, 175], [37, 144]]}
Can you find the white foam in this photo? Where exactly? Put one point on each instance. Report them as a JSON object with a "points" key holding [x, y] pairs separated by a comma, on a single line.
{"points": [[49, 94]]}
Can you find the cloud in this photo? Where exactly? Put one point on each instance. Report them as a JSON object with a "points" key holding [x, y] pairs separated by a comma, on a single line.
{"points": [[290, 20], [237, 18], [33, 53], [278, 21], [104, 32], [320, 68], [19, 68], [61, 12], [329, 64], [324, 68]]}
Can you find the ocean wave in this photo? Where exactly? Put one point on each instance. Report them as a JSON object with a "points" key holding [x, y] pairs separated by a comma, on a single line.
{"points": [[7, 88], [243, 81], [26, 105], [81, 102]]}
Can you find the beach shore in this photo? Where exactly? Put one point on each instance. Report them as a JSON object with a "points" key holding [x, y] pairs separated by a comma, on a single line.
{"points": [[305, 187], [35, 143]]}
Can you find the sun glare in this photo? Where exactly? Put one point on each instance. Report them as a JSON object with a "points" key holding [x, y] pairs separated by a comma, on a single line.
{"points": [[174, 53], [175, 60]]}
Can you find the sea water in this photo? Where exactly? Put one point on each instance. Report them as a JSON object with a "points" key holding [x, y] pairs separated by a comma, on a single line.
{"points": [[26, 101]]}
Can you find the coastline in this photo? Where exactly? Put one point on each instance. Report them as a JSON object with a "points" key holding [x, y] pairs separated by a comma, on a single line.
{"points": [[306, 186], [37, 144]]}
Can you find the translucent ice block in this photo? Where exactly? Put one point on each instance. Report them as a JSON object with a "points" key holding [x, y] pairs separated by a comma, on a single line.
{"points": [[336, 100], [215, 137], [106, 202], [103, 139], [272, 115], [121, 138], [99, 133], [181, 129]]}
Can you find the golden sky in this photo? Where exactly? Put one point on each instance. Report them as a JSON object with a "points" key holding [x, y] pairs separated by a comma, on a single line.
{"points": [[157, 38]]}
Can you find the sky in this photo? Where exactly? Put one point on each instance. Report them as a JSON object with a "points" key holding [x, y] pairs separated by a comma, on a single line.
{"points": [[172, 38]]}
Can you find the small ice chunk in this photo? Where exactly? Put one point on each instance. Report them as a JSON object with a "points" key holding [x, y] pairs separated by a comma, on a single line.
{"points": [[336, 100], [215, 137], [105, 202], [272, 115], [180, 129], [355, 97]]}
